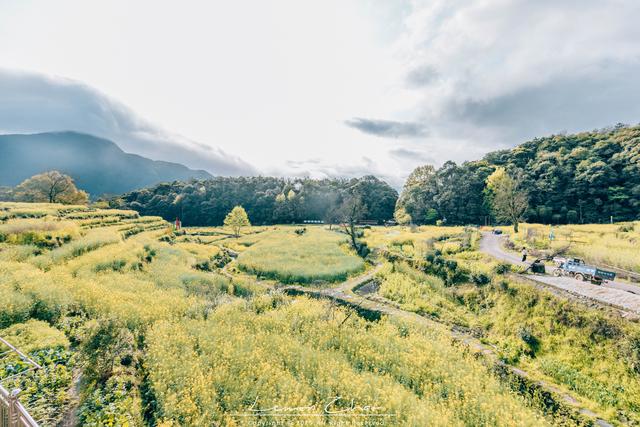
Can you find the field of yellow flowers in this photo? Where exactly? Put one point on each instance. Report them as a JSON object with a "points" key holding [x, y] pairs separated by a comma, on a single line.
{"points": [[135, 323]]}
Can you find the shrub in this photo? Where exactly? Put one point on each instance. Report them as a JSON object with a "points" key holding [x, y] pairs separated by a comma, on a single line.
{"points": [[602, 328], [114, 265], [108, 344], [480, 279], [16, 307], [631, 352], [525, 333], [502, 268]]}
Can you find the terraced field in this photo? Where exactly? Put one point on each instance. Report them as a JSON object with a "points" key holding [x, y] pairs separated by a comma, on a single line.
{"points": [[316, 255], [137, 324]]}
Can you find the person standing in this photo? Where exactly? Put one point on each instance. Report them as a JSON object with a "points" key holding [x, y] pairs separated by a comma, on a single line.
{"points": [[524, 254]]}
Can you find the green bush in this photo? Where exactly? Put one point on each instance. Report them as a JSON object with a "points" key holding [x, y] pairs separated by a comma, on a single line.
{"points": [[15, 307], [631, 352], [113, 265], [502, 268]]}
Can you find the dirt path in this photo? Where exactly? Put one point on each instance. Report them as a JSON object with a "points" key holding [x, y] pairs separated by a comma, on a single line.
{"points": [[616, 294], [344, 293]]}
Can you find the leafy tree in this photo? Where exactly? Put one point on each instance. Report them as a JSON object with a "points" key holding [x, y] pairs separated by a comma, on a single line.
{"points": [[507, 199], [376, 195], [236, 219], [6, 194], [332, 215], [419, 192], [431, 217], [402, 217], [51, 187]]}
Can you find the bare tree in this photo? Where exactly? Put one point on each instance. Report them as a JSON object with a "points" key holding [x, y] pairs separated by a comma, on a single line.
{"points": [[350, 213]]}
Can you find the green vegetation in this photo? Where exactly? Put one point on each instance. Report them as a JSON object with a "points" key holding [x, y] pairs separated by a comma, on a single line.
{"points": [[299, 353], [38, 232], [236, 220], [582, 178], [267, 200], [506, 197], [46, 391]]}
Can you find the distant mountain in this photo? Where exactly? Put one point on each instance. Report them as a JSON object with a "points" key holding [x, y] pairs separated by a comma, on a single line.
{"points": [[97, 165]]}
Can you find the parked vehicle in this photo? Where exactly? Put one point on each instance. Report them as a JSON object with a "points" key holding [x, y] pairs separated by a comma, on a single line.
{"points": [[538, 267], [576, 268], [497, 231]]}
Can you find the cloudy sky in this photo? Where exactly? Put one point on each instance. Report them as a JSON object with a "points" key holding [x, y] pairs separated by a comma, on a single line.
{"points": [[337, 87]]}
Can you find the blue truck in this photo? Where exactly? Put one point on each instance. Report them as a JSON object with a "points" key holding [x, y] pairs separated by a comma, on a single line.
{"points": [[576, 268]]}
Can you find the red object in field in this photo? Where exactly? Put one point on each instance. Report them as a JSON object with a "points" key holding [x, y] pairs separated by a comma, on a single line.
{"points": [[178, 224]]}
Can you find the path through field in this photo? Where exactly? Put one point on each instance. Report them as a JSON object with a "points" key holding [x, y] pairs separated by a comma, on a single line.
{"points": [[618, 294], [345, 292]]}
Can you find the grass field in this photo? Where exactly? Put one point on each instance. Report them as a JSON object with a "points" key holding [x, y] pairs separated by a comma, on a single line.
{"points": [[135, 324], [317, 255]]}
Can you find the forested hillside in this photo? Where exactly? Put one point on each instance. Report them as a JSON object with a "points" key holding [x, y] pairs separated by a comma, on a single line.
{"points": [[586, 177], [267, 200]]}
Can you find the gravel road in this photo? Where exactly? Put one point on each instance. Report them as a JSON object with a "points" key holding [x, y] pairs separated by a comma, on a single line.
{"points": [[623, 295]]}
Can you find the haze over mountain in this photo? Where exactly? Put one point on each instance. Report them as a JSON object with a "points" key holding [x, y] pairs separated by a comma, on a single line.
{"points": [[34, 103], [97, 165]]}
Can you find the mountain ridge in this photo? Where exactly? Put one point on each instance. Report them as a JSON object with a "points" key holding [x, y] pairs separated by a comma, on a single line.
{"points": [[98, 165]]}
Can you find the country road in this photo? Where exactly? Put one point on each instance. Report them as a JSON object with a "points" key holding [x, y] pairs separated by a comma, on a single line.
{"points": [[619, 294]]}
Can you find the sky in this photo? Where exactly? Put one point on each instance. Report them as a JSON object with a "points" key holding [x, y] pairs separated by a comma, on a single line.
{"points": [[330, 88]]}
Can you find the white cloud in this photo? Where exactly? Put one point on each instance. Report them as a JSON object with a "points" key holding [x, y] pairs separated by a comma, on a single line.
{"points": [[36, 103], [494, 72], [387, 128], [344, 168], [275, 82]]}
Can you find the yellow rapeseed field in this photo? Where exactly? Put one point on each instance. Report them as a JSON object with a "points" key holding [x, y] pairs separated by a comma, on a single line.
{"points": [[137, 324]]}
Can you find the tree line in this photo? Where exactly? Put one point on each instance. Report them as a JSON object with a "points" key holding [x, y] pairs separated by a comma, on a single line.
{"points": [[267, 200], [588, 177]]}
